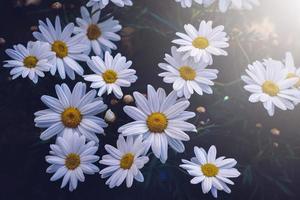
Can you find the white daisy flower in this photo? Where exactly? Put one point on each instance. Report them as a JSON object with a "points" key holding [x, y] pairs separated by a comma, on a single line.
{"points": [[188, 3], [31, 61], [224, 5], [213, 173], [124, 162], [237, 4], [185, 3], [98, 36], [72, 112], [187, 76], [269, 84], [293, 71], [201, 44], [249, 4], [70, 158], [111, 74], [67, 48], [161, 120], [100, 4]]}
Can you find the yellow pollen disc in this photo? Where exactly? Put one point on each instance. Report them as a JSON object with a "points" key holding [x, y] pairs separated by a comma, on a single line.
{"points": [[60, 48], [127, 161], [209, 170], [72, 161], [157, 122], [93, 32], [71, 117], [187, 73], [270, 88], [292, 75], [30, 61], [110, 76], [200, 43]]}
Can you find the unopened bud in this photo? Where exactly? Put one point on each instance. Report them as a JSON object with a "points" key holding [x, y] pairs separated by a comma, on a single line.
{"points": [[33, 28], [114, 102], [56, 5], [258, 125], [201, 109], [128, 99], [110, 116], [2, 41], [275, 131]]}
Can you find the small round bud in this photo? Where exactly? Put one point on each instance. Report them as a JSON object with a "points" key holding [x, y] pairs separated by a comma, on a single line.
{"points": [[258, 125], [114, 102], [2, 41], [110, 116], [201, 109], [275, 131], [128, 99], [275, 144], [127, 31], [33, 28], [56, 5]]}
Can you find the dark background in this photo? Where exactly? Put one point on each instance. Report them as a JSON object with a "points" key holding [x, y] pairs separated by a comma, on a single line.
{"points": [[269, 163]]}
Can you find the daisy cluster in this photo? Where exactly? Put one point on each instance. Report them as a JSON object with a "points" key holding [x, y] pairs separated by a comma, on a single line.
{"points": [[223, 5], [187, 68], [159, 119], [274, 83]]}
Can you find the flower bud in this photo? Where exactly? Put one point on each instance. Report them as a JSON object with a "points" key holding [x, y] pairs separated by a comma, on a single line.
{"points": [[275, 131], [258, 125], [114, 102], [128, 99], [201, 109], [110, 116], [56, 5]]}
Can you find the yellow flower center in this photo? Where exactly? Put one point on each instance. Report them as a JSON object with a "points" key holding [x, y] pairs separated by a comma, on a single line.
{"points": [[71, 117], [30, 61], [60, 48], [93, 32], [200, 43], [187, 73], [110, 76], [270, 88], [157, 122], [72, 161], [209, 170], [127, 161], [292, 75]]}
